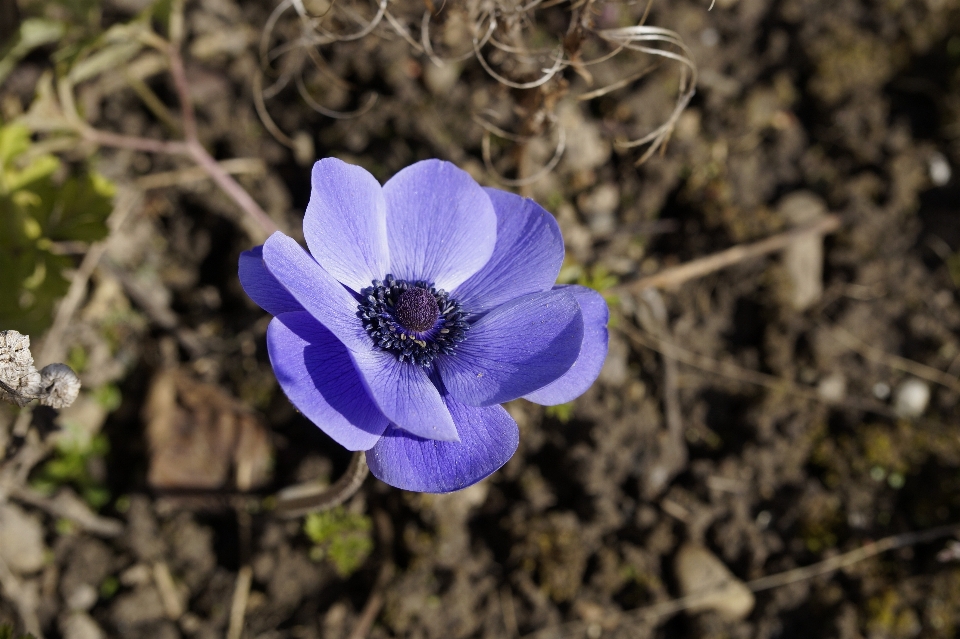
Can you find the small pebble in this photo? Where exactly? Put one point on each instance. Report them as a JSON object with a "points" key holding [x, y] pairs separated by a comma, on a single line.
{"points": [[80, 625], [21, 540], [832, 388], [698, 571], [84, 597], [709, 37], [940, 171], [881, 390], [911, 398]]}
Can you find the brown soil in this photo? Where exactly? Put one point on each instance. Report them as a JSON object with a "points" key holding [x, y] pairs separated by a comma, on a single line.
{"points": [[856, 103]]}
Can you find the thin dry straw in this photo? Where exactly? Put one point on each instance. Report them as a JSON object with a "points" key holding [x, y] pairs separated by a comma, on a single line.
{"points": [[330, 113], [428, 46]]}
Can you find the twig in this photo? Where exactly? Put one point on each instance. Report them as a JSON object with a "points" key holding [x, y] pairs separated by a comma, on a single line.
{"points": [[66, 505], [896, 362], [672, 455], [658, 611], [147, 145], [866, 551], [671, 399], [199, 154], [190, 146], [183, 92], [232, 188], [53, 349], [374, 603], [677, 275], [169, 597], [190, 174], [238, 608], [289, 503], [738, 373], [25, 601]]}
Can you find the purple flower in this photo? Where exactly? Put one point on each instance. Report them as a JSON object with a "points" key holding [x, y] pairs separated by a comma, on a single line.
{"points": [[421, 306]]}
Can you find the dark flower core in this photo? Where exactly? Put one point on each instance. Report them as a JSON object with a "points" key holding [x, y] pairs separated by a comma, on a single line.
{"points": [[417, 309], [414, 320]]}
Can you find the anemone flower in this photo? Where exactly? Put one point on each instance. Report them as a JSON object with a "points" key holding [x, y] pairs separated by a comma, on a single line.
{"points": [[421, 306]]}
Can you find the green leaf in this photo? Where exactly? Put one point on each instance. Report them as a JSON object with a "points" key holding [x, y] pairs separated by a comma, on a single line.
{"points": [[32, 282], [79, 209], [563, 413], [37, 208], [14, 140]]}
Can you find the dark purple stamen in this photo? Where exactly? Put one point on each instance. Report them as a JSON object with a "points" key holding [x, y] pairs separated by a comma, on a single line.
{"points": [[417, 310], [413, 320]]}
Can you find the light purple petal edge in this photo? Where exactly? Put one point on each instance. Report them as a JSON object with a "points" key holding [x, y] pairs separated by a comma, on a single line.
{"points": [[345, 223], [441, 227], [262, 287], [593, 351], [315, 371], [515, 349], [488, 439], [526, 259]]}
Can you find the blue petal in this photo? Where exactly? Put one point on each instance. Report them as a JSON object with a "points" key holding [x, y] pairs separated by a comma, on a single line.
{"points": [[404, 393], [345, 224], [593, 351], [526, 258], [515, 349], [488, 439], [262, 287], [316, 290], [319, 378], [441, 227]]}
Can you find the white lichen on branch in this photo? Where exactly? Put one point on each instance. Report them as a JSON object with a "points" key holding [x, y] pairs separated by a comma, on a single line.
{"points": [[55, 385]]}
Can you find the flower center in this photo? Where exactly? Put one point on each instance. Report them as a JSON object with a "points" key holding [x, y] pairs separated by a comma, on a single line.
{"points": [[413, 320], [417, 309]]}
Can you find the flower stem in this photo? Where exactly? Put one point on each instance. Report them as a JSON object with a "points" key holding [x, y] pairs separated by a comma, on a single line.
{"points": [[298, 500]]}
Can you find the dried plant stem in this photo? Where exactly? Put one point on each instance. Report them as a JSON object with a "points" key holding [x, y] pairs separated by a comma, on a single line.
{"points": [[677, 275], [896, 362], [66, 505], [169, 597], [53, 349], [179, 75], [26, 601], [118, 141], [660, 611], [672, 455], [238, 607], [187, 175], [200, 155], [671, 396], [870, 549], [374, 603], [740, 374], [289, 503], [232, 188], [189, 147]]}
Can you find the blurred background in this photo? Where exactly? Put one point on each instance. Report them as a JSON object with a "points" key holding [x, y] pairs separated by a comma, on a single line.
{"points": [[794, 405]]}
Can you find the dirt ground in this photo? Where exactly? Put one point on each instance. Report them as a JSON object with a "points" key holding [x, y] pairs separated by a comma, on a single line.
{"points": [[765, 417]]}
